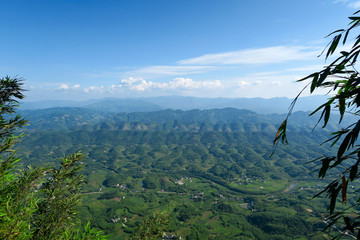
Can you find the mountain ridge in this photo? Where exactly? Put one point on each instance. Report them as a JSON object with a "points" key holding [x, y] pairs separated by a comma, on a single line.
{"points": [[259, 105], [195, 120]]}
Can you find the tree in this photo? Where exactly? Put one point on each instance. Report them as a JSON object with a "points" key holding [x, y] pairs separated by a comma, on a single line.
{"points": [[342, 80], [35, 202], [57, 207], [152, 227]]}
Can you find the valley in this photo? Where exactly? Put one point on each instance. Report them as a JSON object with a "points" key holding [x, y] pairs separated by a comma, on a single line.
{"points": [[208, 171]]}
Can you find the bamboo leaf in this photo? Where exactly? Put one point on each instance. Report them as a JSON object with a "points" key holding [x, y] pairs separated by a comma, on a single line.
{"points": [[344, 145], [327, 188], [342, 107], [343, 189], [323, 105], [355, 133], [348, 224], [314, 83], [333, 45], [281, 133], [323, 76], [346, 35], [354, 18], [307, 77], [356, 55], [353, 172], [325, 166], [355, 46], [333, 196], [340, 30], [327, 110]]}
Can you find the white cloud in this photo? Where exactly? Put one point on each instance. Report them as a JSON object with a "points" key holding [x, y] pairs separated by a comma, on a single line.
{"points": [[171, 70], [154, 71], [189, 83], [140, 84], [212, 62], [268, 55], [244, 83], [355, 5], [114, 88], [265, 73], [64, 87], [94, 89], [257, 82], [276, 83], [131, 80], [310, 68], [68, 87]]}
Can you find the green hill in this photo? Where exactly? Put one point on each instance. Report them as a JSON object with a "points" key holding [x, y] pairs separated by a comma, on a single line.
{"points": [[209, 170]]}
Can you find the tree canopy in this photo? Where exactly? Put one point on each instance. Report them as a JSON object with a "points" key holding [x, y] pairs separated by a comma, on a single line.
{"points": [[35, 202], [342, 80]]}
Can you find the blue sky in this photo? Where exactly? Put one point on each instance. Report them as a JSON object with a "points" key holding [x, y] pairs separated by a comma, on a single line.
{"points": [[77, 49]]}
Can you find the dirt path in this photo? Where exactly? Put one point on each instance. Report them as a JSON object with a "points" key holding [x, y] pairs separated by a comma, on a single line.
{"points": [[88, 193], [292, 186]]}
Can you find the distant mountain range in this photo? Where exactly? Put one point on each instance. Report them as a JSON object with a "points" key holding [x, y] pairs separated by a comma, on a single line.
{"points": [[258, 105], [223, 120]]}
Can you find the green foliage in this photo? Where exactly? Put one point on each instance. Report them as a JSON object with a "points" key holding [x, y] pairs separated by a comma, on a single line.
{"points": [[150, 182], [152, 227], [87, 233], [201, 199], [209, 170], [17, 200], [342, 80], [201, 203], [113, 179], [11, 92], [39, 202], [56, 208]]}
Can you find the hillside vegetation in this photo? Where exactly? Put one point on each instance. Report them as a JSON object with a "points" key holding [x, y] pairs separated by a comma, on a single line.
{"points": [[209, 171]]}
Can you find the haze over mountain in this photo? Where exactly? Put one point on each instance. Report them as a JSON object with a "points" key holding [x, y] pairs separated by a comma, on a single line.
{"points": [[258, 105]]}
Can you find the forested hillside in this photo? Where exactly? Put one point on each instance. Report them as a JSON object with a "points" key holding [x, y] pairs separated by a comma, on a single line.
{"points": [[209, 171]]}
